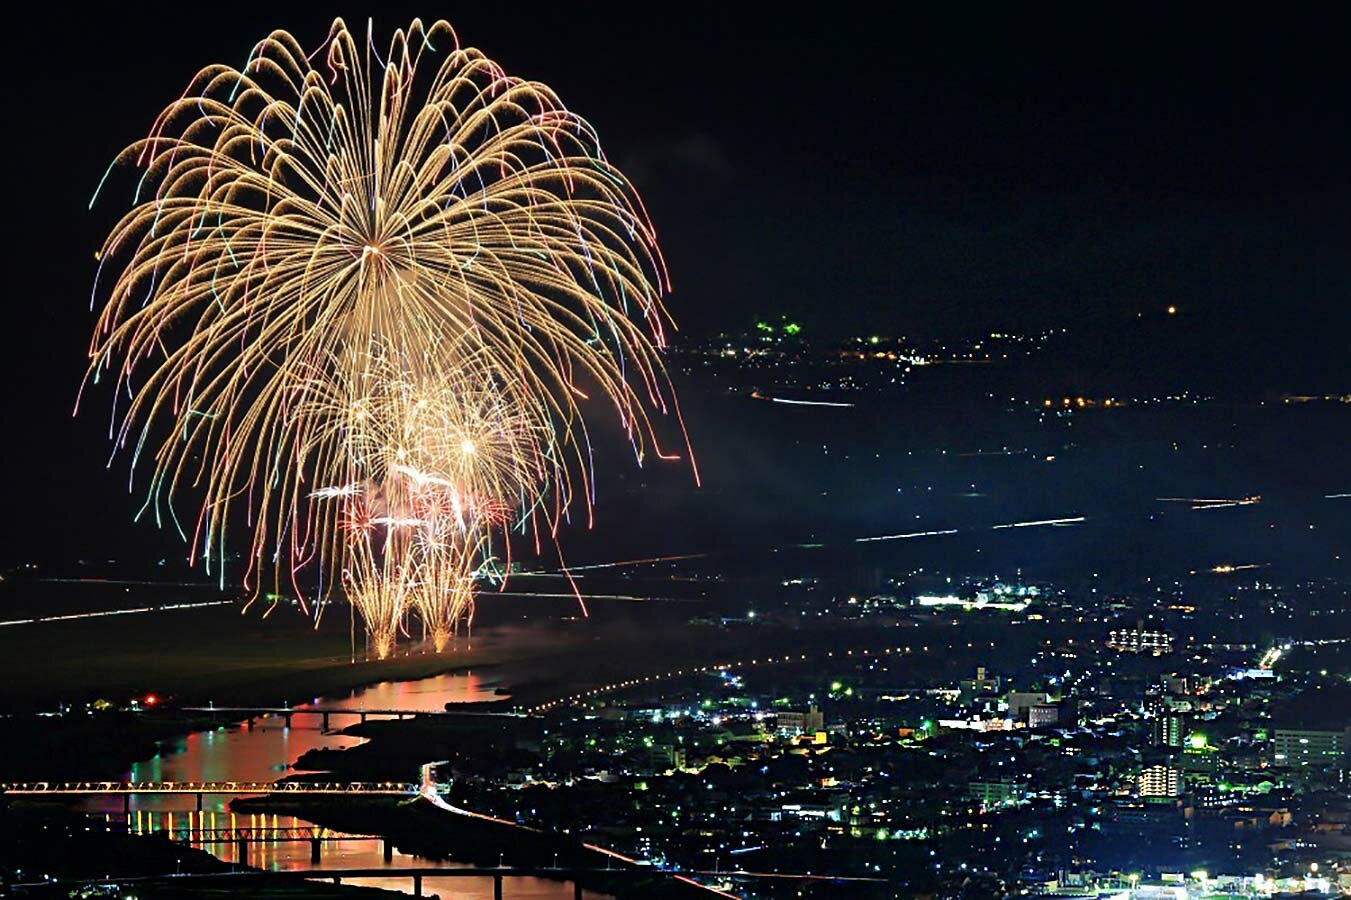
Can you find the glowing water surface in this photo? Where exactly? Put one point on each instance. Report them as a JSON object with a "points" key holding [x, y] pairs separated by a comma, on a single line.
{"points": [[234, 752]]}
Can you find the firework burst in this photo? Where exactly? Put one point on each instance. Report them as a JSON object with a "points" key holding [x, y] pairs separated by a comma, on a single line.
{"points": [[339, 255]]}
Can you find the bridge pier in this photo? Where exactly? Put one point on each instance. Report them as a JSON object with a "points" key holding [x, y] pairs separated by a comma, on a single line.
{"points": [[417, 885], [497, 887], [126, 804], [389, 851], [363, 718], [576, 890], [243, 846], [325, 721], [288, 720], [199, 801], [315, 850], [250, 721]]}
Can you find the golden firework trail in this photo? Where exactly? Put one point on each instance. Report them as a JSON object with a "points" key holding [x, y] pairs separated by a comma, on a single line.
{"points": [[320, 242], [429, 462]]}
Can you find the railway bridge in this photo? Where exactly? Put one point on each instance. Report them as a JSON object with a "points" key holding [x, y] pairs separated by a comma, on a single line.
{"points": [[129, 789], [250, 714]]}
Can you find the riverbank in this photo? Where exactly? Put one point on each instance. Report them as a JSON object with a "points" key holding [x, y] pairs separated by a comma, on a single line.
{"points": [[60, 731], [199, 656], [39, 843]]}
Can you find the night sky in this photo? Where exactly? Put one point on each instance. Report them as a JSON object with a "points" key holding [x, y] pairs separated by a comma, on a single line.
{"points": [[904, 175]]}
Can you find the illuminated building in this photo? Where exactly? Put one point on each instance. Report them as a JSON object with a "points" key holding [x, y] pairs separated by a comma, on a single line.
{"points": [[1140, 640], [981, 684], [661, 757], [1043, 714], [990, 794], [1299, 748], [976, 723], [792, 724], [1167, 730], [1159, 781], [1200, 756], [981, 601], [1061, 712], [1020, 702], [1185, 685]]}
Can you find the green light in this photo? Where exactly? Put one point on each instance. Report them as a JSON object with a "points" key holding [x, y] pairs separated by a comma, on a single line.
{"points": [[792, 328], [835, 685], [1197, 741], [765, 327], [874, 339]]}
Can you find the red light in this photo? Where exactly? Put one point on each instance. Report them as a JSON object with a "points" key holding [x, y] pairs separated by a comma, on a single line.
{"points": [[151, 699]]}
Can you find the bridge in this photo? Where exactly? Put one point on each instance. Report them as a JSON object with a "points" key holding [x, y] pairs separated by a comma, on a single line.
{"points": [[417, 874], [241, 838], [260, 834], [251, 713], [128, 789]]}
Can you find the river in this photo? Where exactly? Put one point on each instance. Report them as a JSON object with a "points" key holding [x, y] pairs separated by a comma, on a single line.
{"points": [[265, 752]]}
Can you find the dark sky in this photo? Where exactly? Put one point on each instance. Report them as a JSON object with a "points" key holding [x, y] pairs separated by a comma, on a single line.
{"points": [[864, 172]]}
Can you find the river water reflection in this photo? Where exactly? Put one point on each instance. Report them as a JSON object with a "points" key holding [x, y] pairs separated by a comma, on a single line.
{"points": [[235, 752]]}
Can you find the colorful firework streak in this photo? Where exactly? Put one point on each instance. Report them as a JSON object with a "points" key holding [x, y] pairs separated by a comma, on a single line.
{"points": [[364, 305]]}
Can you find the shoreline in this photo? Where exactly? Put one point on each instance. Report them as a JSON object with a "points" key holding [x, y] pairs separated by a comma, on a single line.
{"points": [[419, 828]]}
